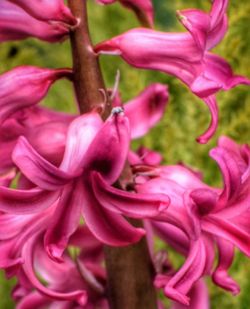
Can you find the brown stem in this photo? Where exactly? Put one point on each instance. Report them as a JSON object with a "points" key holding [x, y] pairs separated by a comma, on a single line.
{"points": [[88, 81], [129, 269]]}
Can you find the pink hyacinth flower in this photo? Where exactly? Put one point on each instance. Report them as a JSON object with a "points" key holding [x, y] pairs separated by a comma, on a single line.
{"points": [[201, 215], [204, 73], [82, 185], [26, 86], [142, 8], [17, 24], [47, 10]]}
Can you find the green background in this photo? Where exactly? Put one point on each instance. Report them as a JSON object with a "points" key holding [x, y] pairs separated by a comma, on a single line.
{"points": [[186, 116]]}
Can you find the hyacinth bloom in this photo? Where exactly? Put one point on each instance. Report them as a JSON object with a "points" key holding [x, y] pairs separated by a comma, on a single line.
{"points": [[47, 10], [142, 8], [17, 24], [82, 185], [204, 73], [199, 215], [40, 124], [25, 86]]}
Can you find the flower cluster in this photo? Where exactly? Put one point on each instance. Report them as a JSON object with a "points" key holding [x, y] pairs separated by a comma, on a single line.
{"points": [[71, 195]]}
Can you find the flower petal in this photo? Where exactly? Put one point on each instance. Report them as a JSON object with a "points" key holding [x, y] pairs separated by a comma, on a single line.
{"points": [[26, 201], [26, 86], [129, 204], [109, 150], [147, 109], [109, 228], [37, 169], [65, 221]]}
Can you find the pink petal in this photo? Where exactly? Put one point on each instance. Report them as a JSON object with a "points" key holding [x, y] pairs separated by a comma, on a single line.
{"points": [[33, 300], [220, 275], [81, 134], [109, 228], [181, 283], [36, 169], [26, 201], [109, 149], [79, 295], [65, 221], [146, 110], [26, 86], [16, 24], [47, 10], [130, 204]]}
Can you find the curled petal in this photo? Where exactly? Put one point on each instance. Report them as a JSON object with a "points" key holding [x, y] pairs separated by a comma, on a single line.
{"points": [[181, 283], [16, 24], [7, 177], [33, 300], [220, 275], [147, 109], [130, 204], [109, 150], [26, 201], [37, 169], [109, 228], [231, 176], [47, 10], [80, 296], [26, 86], [213, 108]]}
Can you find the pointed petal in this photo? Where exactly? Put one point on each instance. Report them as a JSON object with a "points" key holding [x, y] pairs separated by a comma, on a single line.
{"points": [[81, 133], [109, 150], [129, 204], [213, 108], [26, 201], [146, 110], [181, 283], [39, 171], [109, 228], [33, 300], [65, 221]]}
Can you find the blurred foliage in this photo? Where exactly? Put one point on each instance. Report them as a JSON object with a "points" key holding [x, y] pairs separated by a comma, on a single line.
{"points": [[186, 116]]}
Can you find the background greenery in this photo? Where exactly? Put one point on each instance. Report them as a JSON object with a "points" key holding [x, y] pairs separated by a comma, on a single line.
{"points": [[186, 115]]}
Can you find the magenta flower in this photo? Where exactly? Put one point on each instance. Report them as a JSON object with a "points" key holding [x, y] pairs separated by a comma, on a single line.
{"points": [[25, 86], [204, 73], [143, 9], [47, 10], [82, 185], [17, 24], [199, 215]]}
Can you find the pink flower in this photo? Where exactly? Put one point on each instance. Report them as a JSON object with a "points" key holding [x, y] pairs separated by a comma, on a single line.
{"points": [[26, 86], [47, 10], [143, 9], [82, 185], [204, 73], [199, 215], [17, 24]]}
